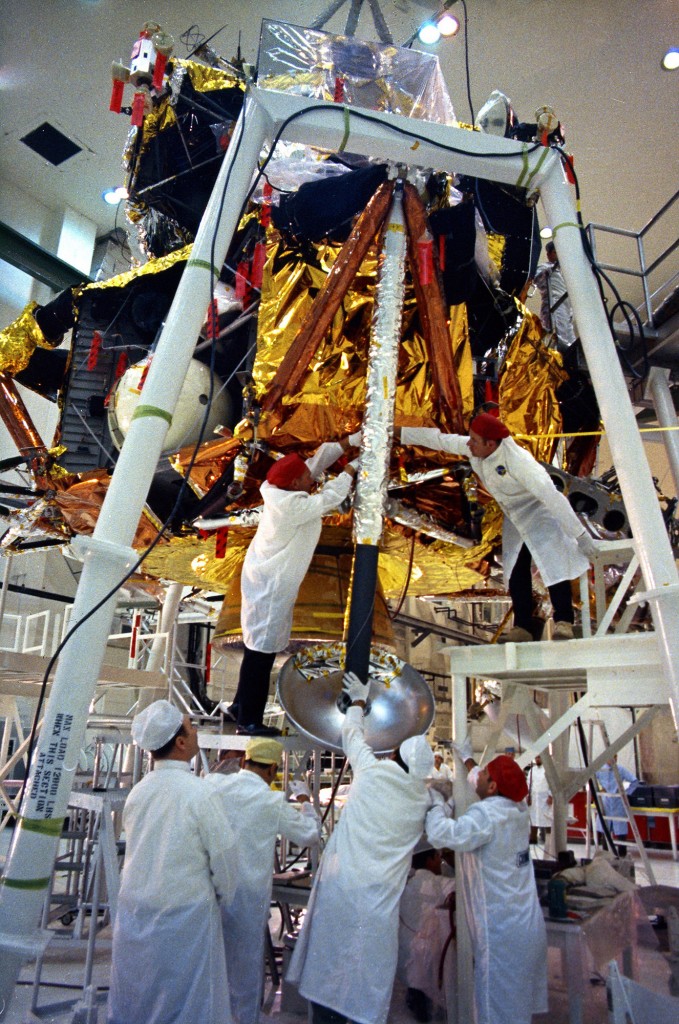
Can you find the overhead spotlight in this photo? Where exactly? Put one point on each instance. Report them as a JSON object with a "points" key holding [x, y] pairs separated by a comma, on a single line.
{"points": [[670, 61], [440, 24], [113, 196], [429, 33], [448, 25], [546, 233]]}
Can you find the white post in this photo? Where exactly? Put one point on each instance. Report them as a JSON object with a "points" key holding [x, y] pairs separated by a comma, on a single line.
{"points": [[658, 389], [650, 535], [462, 794], [106, 554]]}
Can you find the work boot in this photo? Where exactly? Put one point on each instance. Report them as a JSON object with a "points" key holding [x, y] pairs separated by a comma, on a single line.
{"points": [[257, 730], [563, 631], [515, 635]]}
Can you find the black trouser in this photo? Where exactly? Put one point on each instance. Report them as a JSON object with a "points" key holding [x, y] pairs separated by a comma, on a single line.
{"points": [[253, 686], [521, 593]]}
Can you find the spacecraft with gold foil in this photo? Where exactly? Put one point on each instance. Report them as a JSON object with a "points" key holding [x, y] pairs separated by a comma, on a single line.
{"points": [[281, 359]]}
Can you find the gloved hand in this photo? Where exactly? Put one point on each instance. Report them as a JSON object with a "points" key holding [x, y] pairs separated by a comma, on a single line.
{"points": [[298, 787], [355, 439], [355, 463], [436, 799], [587, 546], [463, 749], [354, 688]]}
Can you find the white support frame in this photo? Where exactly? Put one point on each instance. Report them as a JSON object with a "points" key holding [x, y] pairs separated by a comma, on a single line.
{"points": [[107, 554]]}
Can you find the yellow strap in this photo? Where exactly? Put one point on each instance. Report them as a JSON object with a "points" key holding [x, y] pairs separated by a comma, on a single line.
{"points": [[590, 433]]}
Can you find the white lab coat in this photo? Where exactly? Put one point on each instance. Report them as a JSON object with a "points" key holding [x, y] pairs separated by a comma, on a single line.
{"points": [[612, 804], [257, 814], [541, 812], [168, 964], [345, 957], [442, 774], [501, 906], [281, 550], [424, 931], [535, 512]]}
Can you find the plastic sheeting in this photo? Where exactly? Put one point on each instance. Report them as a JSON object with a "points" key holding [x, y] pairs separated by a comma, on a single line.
{"points": [[377, 76]]}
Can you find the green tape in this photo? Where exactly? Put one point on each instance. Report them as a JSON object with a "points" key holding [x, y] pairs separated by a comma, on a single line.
{"points": [[345, 137], [203, 265], [537, 167], [32, 884], [152, 410], [525, 168], [566, 224], [43, 826]]}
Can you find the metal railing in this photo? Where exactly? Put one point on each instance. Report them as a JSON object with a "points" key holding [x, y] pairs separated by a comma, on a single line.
{"points": [[645, 270]]}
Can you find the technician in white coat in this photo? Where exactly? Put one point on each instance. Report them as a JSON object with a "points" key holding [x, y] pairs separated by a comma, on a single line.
{"points": [[499, 893], [168, 964], [258, 814], [346, 954], [441, 772], [539, 523], [540, 802], [275, 565]]}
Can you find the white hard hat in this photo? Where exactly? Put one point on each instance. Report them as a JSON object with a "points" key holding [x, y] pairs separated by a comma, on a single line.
{"points": [[418, 755], [155, 726]]}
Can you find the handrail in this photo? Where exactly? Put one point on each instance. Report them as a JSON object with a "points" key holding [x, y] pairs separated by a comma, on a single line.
{"points": [[645, 270]]}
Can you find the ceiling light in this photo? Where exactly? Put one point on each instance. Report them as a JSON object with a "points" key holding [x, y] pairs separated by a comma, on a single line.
{"points": [[113, 196], [448, 25], [428, 33], [670, 61], [545, 233]]}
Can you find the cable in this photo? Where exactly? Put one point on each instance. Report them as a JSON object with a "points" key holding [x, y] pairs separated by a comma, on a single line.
{"points": [[593, 789], [466, 60]]}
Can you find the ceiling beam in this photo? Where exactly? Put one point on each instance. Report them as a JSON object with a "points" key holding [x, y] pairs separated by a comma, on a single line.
{"points": [[37, 262]]}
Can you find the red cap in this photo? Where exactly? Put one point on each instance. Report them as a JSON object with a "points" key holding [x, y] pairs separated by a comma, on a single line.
{"points": [[285, 470], [489, 427], [508, 777]]}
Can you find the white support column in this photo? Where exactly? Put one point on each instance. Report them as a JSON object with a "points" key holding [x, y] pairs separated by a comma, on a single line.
{"points": [[650, 535], [36, 836], [558, 706], [462, 794], [658, 389]]}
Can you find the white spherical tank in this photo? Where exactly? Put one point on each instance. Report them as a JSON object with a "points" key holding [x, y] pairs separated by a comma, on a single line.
{"points": [[188, 415]]}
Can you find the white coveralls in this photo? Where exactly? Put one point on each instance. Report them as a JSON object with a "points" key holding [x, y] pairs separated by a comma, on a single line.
{"points": [[346, 954], [258, 814], [442, 774], [279, 554], [535, 513], [541, 812], [423, 933], [501, 906], [168, 964]]}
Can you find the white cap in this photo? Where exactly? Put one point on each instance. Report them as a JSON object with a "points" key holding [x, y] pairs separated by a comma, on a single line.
{"points": [[418, 755], [155, 726]]}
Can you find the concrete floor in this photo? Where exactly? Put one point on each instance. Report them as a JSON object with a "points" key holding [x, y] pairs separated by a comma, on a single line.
{"points": [[60, 999]]}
